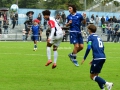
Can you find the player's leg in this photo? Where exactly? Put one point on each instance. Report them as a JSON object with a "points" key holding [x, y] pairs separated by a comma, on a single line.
{"points": [[101, 82], [96, 67], [55, 56], [74, 41], [80, 47], [49, 53], [73, 56], [35, 45], [35, 39], [57, 42], [80, 40]]}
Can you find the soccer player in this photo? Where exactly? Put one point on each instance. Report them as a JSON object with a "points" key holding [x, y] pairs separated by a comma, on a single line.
{"points": [[95, 43], [54, 39], [74, 20], [35, 29]]}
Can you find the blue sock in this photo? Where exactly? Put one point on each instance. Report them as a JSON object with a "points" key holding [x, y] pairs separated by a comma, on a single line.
{"points": [[101, 82], [74, 56]]}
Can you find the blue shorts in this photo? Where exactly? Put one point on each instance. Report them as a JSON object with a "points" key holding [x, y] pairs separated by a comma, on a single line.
{"points": [[96, 66], [35, 38], [76, 37]]}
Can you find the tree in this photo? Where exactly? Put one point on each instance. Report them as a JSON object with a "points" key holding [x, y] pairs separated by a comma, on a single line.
{"points": [[62, 4], [28, 3], [4, 3]]}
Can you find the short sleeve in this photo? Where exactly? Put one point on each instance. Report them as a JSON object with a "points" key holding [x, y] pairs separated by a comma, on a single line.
{"points": [[51, 23]]}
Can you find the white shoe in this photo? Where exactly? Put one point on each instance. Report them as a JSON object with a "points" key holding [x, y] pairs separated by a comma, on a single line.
{"points": [[34, 49], [109, 85]]}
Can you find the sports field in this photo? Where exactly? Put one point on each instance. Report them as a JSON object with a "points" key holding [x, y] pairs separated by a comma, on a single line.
{"points": [[21, 68]]}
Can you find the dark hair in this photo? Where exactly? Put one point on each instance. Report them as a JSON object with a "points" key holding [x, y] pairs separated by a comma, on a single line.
{"points": [[92, 28], [73, 6], [46, 12]]}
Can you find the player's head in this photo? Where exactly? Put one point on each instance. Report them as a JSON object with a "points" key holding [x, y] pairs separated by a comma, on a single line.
{"points": [[36, 21], [72, 9], [92, 28], [46, 14]]}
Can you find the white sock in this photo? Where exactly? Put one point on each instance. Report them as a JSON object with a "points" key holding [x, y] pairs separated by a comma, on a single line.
{"points": [[74, 54], [49, 53], [55, 56], [107, 83]]}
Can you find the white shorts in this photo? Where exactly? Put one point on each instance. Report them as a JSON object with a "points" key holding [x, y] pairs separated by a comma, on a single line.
{"points": [[56, 40]]}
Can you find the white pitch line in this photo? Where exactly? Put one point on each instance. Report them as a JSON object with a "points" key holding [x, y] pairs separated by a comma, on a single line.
{"points": [[44, 55]]}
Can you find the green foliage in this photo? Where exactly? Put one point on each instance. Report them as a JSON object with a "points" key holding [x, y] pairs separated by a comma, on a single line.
{"points": [[62, 4], [51, 4], [116, 3]]}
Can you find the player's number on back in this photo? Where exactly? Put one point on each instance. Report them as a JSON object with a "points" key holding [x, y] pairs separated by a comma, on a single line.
{"points": [[100, 42]]}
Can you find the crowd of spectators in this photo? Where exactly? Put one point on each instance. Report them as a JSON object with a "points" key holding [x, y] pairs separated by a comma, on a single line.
{"points": [[109, 26]]}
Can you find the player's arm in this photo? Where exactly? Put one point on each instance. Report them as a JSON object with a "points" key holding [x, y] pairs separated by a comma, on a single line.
{"points": [[87, 51], [68, 22], [52, 26]]}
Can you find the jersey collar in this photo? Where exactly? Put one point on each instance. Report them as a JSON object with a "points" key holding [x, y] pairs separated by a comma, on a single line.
{"points": [[73, 14]]}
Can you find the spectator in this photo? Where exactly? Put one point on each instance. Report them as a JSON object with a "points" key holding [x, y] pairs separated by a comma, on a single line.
{"points": [[87, 21], [5, 16], [1, 19], [40, 34], [23, 33], [92, 21], [30, 16], [103, 27], [116, 32], [117, 36], [102, 20], [92, 17], [5, 26], [57, 19], [66, 34], [13, 21], [108, 28], [83, 23], [97, 20], [45, 24], [11, 16], [39, 18], [110, 20], [107, 18], [28, 25], [16, 16], [112, 35], [114, 19], [63, 18]]}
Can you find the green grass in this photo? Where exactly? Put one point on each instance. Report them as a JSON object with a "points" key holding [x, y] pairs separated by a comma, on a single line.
{"points": [[23, 69]]}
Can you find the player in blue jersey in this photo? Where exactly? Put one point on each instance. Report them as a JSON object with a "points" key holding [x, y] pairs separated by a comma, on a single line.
{"points": [[74, 20], [35, 29], [95, 43]]}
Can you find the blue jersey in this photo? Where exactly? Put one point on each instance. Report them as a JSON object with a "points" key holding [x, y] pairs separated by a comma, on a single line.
{"points": [[96, 44], [35, 29], [76, 21]]}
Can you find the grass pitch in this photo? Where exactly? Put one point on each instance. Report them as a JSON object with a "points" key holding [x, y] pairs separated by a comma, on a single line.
{"points": [[21, 68]]}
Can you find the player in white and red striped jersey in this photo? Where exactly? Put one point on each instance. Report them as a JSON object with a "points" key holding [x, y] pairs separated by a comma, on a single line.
{"points": [[54, 39]]}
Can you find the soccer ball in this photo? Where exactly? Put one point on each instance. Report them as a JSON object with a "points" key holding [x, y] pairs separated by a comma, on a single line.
{"points": [[14, 8]]}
